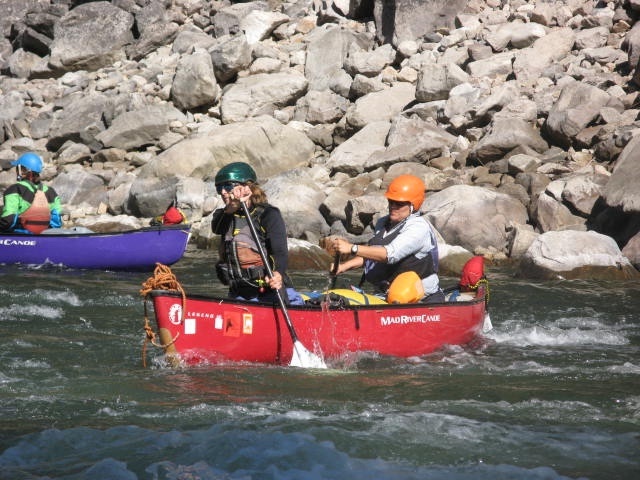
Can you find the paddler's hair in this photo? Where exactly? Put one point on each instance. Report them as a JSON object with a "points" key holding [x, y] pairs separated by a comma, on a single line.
{"points": [[258, 197]]}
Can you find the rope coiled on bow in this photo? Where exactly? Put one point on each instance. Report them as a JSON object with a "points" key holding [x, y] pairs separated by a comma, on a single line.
{"points": [[163, 279]]}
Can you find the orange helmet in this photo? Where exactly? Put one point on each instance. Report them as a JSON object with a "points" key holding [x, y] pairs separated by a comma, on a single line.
{"points": [[407, 188]]}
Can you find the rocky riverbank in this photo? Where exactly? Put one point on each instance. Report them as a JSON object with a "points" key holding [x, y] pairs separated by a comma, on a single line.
{"points": [[519, 115]]}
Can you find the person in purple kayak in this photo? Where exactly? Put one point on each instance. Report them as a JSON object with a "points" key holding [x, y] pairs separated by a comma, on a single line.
{"points": [[30, 206]]}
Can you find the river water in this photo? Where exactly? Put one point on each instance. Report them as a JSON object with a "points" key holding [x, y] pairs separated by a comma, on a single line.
{"points": [[552, 392]]}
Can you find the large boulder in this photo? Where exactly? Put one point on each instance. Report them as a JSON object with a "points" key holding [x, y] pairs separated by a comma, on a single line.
{"points": [[572, 254], [473, 217], [380, 106], [194, 84], [261, 94], [327, 51], [81, 120], [91, 36], [402, 20], [505, 134], [264, 143], [579, 104], [300, 211], [140, 127], [622, 189]]}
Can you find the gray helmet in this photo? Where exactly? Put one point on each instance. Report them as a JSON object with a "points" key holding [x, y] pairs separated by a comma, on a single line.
{"points": [[236, 172]]}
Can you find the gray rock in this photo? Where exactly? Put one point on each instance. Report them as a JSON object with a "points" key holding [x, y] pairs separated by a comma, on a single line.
{"points": [[257, 25], [321, 107], [81, 120], [191, 37], [412, 19], [551, 214], [632, 250], [411, 140], [326, 53], [474, 217], [141, 127], [231, 55], [380, 106], [264, 143], [228, 19], [578, 105], [622, 188], [435, 81], [505, 134], [77, 186], [153, 37], [300, 211], [571, 254], [91, 36], [260, 95], [531, 62], [350, 156], [369, 63], [194, 84]]}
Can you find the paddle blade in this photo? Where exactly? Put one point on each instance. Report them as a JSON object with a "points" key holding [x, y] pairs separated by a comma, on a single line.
{"points": [[487, 325], [304, 358]]}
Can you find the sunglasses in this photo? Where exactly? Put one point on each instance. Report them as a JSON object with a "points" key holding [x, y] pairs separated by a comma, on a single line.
{"points": [[396, 204], [227, 187]]}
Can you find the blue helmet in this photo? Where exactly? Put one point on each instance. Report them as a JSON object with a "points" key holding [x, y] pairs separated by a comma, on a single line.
{"points": [[30, 161]]}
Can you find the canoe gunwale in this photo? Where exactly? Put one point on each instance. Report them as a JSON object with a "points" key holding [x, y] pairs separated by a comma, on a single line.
{"points": [[307, 307], [150, 229]]}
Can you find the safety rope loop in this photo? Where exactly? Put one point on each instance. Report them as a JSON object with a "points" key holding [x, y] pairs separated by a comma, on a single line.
{"points": [[484, 281], [162, 279]]}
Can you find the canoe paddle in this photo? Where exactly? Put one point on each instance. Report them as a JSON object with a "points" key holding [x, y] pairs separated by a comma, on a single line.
{"points": [[334, 270], [301, 357]]}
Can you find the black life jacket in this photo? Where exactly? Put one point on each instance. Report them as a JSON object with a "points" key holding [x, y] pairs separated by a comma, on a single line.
{"points": [[241, 262], [382, 274]]}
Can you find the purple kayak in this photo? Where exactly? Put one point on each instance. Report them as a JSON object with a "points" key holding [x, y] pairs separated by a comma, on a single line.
{"points": [[127, 250]]}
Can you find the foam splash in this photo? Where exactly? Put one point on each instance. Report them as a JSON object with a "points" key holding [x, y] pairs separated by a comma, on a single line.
{"points": [[562, 332]]}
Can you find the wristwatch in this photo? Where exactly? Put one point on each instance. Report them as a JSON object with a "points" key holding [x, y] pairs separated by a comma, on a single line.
{"points": [[354, 249]]}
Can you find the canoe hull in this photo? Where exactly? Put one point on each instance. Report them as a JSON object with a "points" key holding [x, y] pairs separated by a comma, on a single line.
{"points": [[217, 329], [129, 250]]}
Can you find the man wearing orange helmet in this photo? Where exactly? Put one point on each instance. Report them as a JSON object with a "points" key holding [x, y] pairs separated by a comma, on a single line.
{"points": [[404, 241]]}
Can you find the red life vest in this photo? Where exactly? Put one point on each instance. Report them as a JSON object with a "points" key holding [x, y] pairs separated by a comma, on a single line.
{"points": [[37, 217]]}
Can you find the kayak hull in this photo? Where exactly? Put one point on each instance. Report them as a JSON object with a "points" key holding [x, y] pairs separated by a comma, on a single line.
{"points": [[138, 250]]}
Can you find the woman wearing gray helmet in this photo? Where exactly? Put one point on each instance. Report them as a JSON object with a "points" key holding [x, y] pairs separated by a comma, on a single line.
{"points": [[240, 265], [29, 205]]}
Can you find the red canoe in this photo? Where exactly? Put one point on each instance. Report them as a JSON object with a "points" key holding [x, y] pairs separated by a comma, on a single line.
{"points": [[197, 329]]}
